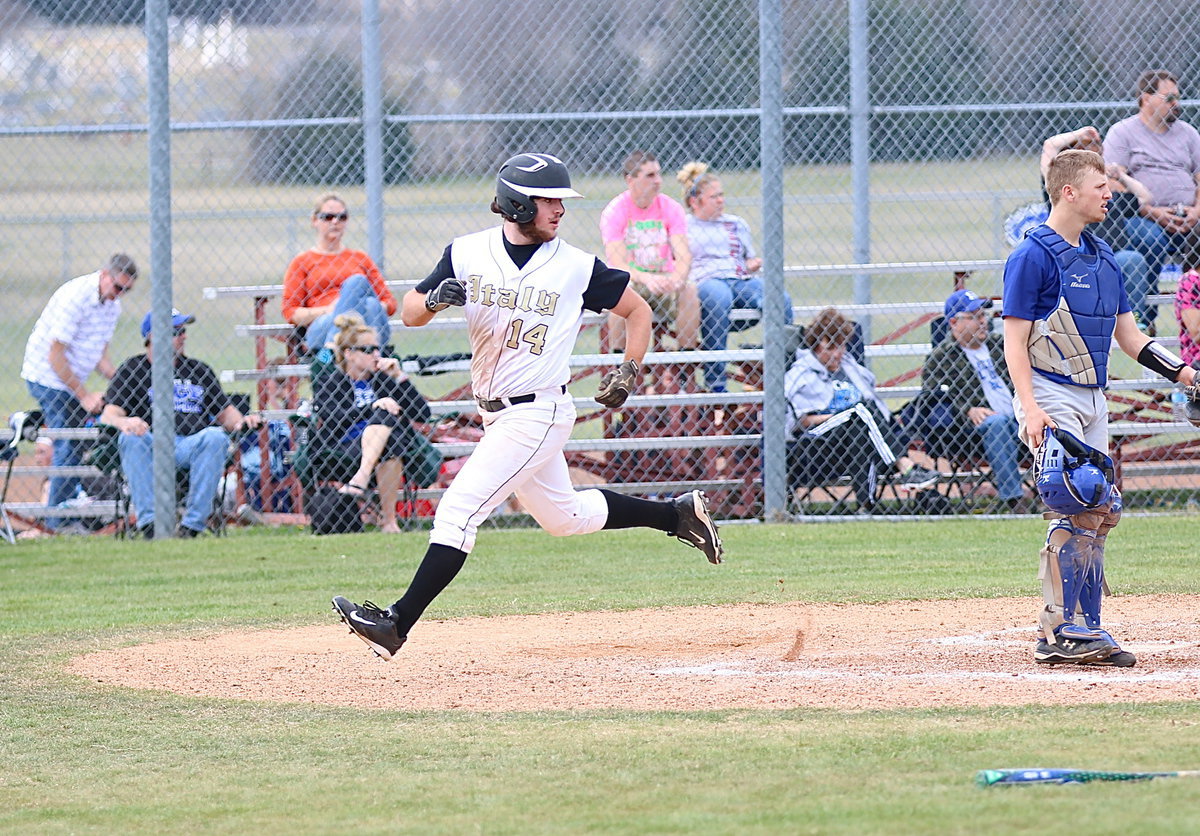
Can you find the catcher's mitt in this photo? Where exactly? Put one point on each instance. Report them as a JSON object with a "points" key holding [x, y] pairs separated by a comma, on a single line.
{"points": [[617, 384], [1191, 409]]}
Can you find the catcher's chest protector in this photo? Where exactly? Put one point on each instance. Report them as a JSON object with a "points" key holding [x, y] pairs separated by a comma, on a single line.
{"points": [[1072, 344]]}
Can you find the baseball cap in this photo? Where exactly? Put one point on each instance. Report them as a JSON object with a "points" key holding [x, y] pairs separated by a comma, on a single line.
{"points": [[178, 320], [964, 301]]}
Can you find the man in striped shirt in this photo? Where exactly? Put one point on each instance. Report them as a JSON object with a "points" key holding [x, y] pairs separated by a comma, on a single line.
{"points": [[69, 342]]}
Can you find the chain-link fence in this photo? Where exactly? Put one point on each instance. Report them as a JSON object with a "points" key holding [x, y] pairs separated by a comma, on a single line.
{"points": [[908, 139]]}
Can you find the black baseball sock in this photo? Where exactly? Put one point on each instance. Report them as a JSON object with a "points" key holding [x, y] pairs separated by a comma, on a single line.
{"points": [[437, 569], [632, 512]]}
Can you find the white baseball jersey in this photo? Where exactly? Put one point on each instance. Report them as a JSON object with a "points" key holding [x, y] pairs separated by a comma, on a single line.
{"points": [[523, 322]]}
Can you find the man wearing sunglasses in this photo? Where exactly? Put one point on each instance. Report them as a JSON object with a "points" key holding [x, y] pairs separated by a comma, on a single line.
{"points": [[204, 415], [69, 342], [1163, 152]]}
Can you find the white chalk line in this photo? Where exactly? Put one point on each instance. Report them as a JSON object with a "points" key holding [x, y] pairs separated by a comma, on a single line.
{"points": [[989, 639], [1072, 673]]}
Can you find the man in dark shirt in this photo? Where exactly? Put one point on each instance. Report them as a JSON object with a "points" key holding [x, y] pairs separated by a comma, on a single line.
{"points": [[201, 447]]}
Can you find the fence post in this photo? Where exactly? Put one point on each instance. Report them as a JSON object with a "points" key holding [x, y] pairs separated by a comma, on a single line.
{"points": [[372, 105], [774, 453], [162, 350], [860, 152]]}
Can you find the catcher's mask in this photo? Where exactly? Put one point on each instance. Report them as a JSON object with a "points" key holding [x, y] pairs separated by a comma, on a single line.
{"points": [[526, 176], [1071, 476]]}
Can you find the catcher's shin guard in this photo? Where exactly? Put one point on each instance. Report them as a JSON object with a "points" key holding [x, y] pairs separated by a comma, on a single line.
{"points": [[1095, 587], [1063, 566], [1091, 588]]}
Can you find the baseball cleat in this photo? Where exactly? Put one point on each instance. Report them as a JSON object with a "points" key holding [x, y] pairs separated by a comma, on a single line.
{"points": [[1118, 658], [696, 527], [374, 626], [1071, 652]]}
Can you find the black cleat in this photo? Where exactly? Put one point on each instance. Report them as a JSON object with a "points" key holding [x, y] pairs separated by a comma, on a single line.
{"points": [[1071, 652], [1117, 659], [374, 626], [696, 527]]}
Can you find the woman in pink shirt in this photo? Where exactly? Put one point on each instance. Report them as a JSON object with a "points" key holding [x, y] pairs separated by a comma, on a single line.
{"points": [[1187, 302]]}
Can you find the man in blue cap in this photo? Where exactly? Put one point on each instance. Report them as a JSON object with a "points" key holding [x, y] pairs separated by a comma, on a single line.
{"points": [[969, 372], [204, 416]]}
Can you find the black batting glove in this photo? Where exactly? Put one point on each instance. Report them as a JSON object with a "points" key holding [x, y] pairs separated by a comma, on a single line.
{"points": [[452, 291], [617, 384]]}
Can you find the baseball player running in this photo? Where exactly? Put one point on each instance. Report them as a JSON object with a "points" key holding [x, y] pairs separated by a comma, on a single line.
{"points": [[524, 291]]}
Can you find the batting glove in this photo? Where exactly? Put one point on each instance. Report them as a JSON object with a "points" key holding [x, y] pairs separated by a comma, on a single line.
{"points": [[617, 384], [451, 291]]}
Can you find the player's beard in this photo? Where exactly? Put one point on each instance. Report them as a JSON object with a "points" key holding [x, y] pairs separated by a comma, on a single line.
{"points": [[530, 230]]}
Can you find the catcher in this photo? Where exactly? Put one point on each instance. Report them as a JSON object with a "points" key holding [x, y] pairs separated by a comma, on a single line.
{"points": [[524, 291], [1064, 304]]}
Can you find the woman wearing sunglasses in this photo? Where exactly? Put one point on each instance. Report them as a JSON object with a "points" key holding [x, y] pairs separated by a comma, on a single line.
{"points": [[329, 279], [364, 406]]}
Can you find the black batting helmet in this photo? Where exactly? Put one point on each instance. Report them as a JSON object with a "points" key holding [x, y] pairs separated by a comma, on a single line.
{"points": [[526, 176]]}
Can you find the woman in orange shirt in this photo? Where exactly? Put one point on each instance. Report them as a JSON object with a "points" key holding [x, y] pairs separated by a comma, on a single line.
{"points": [[330, 279]]}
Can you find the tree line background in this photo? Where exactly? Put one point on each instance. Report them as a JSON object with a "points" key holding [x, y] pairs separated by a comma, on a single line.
{"points": [[949, 79]]}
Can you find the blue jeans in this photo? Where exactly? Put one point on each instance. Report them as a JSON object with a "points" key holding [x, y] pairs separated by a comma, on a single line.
{"points": [[1000, 447], [60, 409], [203, 455], [356, 295], [1155, 244], [1140, 282], [717, 298]]}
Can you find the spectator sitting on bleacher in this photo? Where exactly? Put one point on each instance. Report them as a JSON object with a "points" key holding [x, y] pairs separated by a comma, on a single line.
{"points": [[969, 369], [200, 447], [1163, 152], [364, 404], [1129, 197], [837, 424], [1187, 302], [330, 279], [723, 264], [645, 233]]}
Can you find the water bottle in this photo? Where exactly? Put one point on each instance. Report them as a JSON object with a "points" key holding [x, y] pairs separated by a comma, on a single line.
{"points": [[1179, 404], [1170, 275]]}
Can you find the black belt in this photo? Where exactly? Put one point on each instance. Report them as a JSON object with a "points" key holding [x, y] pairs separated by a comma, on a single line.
{"points": [[500, 403]]}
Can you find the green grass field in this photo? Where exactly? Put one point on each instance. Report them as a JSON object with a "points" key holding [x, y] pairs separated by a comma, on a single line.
{"points": [[81, 757]]}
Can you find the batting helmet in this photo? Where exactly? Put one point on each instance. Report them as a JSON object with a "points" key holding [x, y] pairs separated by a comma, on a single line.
{"points": [[1071, 476], [526, 176]]}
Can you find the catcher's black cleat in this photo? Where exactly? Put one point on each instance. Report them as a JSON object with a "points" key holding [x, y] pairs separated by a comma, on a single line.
{"points": [[696, 527], [374, 626], [1071, 652], [1117, 659]]}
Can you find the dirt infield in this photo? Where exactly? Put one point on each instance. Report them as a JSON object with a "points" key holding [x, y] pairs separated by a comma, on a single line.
{"points": [[892, 655]]}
